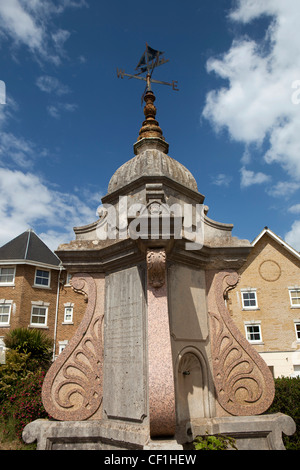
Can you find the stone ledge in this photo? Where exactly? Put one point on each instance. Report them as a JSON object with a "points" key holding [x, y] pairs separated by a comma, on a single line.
{"points": [[262, 432]]}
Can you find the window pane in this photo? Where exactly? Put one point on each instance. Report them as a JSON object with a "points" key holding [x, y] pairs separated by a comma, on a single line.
{"points": [[249, 299], [295, 297], [42, 277], [253, 333], [4, 314], [298, 330], [38, 316], [7, 274], [68, 314]]}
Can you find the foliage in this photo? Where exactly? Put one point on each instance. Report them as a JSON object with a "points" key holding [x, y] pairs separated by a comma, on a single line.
{"points": [[24, 405], [287, 401], [21, 380], [217, 442], [32, 341], [17, 367]]}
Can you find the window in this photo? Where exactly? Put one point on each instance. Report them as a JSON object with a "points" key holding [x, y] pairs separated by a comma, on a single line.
{"points": [[7, 276], [42, 278], [249, 299], [5, 309], [297, 328], [62, 345], [38, 316], [295, 297], [253, 333], [68, 317]]}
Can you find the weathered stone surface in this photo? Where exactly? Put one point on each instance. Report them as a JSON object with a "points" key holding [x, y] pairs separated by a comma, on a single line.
{"points": [[250, 432], [151, 163], [125, 366], [85, 435], [187, 299]]}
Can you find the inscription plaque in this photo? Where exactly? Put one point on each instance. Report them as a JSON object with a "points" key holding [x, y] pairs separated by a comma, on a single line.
{"points": [[124, 346]]}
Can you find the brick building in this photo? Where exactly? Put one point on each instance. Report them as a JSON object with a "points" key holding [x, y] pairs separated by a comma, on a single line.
{"points": [[34, 292], [265, 305]]}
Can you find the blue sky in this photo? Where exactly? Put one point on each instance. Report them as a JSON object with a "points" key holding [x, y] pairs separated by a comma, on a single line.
{"points": [[69, 122]]}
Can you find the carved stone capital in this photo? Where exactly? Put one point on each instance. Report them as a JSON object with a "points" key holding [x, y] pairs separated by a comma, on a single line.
{"points": [[156, 266]]}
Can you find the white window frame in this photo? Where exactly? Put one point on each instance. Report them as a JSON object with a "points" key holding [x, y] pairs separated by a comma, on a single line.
{"points": [[294, 289], [5, 303], [297, 329], [68, 307], [10, 283], [253, 324], [42, 286], [39, 305], [249, 291], [62, 345]]}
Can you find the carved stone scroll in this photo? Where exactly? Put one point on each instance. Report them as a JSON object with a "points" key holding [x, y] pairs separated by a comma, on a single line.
{"points": [[243, 381], [72, 390]]}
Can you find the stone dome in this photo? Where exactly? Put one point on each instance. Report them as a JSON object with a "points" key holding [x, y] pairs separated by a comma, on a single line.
{"points": [[151, 163]]}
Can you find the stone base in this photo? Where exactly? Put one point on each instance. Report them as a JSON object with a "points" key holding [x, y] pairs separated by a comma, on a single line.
{"points": [[262, 432], [251, 433]]}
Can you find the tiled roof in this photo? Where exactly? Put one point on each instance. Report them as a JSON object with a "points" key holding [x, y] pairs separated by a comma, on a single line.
{"points": [[28, 247]]}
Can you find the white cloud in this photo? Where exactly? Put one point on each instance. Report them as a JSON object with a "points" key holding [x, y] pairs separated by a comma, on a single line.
{"points": [[256, 104], [16, 150], [56, 110], [50, 84], [250, 178], [293, 236], [284, 189], [26, 201], [222, 180], [29, 23], [295, 209]]}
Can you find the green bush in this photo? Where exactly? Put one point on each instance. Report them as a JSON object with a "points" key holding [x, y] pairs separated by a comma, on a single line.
{"points": [[21, 378], [24, 404], [32, 341], [17, 367], [287, 401]]}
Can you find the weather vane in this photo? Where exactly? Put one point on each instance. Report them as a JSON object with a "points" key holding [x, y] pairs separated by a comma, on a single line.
{"points": [[150, 59]]}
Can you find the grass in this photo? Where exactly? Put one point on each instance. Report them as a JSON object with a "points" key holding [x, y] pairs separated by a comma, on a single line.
{"points": [[9, 441]]}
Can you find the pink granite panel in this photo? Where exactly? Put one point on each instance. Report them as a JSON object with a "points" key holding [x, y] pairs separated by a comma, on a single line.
{"points": [[161, 379]]}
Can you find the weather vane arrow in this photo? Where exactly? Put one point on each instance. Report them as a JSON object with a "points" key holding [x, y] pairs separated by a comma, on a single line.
{"points": [[150, 59]]}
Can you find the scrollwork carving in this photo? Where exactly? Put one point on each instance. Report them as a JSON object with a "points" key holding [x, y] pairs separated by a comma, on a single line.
{"points": [[72, 389], [243, 382]]}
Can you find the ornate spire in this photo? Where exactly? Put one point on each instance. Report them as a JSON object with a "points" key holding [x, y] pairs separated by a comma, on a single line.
{"points": [[150, 135]]}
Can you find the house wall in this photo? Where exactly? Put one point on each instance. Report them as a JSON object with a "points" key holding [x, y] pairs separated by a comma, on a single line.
{"points": [[65, 330], [271, 270], [24, 293]]}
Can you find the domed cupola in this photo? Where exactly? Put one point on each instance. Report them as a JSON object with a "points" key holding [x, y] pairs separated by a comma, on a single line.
{"points": [[151, 158]]}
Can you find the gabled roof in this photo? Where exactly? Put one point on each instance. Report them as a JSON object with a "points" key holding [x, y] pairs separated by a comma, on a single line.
{"points": [[28, 248], [279, 240]]}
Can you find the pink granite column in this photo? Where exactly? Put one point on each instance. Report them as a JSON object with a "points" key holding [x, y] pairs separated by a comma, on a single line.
{"points": [[161, 379]]}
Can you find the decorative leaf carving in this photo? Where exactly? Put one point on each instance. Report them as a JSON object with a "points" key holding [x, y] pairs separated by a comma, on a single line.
{"points": [[156, 264], [72, 389], [243, 381]]}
